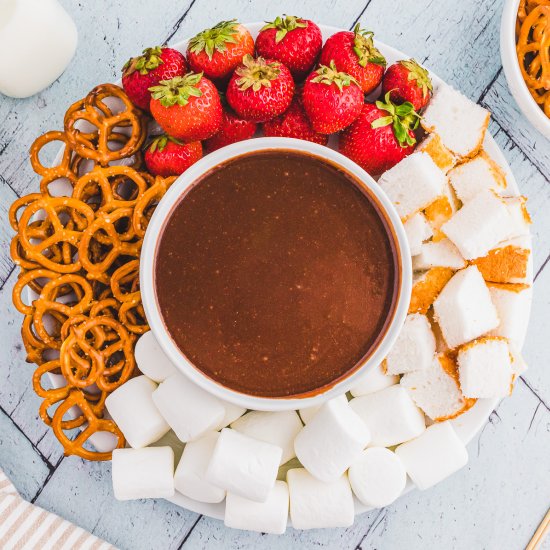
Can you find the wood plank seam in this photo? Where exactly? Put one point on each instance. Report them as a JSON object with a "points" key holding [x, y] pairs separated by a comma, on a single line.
{"points": [[2, 283], [178, 23], [360, 14], [488, 87], [4, 181], [188, 534], [51, 472], [374, 523], [534, 392]]}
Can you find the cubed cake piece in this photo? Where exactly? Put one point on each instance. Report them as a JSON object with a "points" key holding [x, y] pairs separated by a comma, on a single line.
{"points": [[417, 230], [442, 210], [521, 220], [426, 288], [438, 254], [443, 158], [436, 389], [479, 225], [464, 309], [459, 122], [413, 184], [485, 368], [508, 262], [414, 348], [478, 174]]}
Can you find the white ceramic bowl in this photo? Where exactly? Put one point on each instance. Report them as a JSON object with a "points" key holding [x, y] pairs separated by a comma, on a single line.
{"points": [[510, 63], [154, 231]]}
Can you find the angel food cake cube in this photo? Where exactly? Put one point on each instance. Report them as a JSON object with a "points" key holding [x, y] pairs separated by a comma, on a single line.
{"points": [[442, 210], [426, 288], [464, 309], [442, 157], [438, 254], [420, 171], [459, 122], [521, 220], [417, 230]]}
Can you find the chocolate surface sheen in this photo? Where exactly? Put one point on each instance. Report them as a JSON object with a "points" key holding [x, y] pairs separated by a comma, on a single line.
{"points": [[276, 274]]}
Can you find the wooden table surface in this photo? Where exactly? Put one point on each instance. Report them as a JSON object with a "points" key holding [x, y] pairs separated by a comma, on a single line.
{"points": [[496, 501]]}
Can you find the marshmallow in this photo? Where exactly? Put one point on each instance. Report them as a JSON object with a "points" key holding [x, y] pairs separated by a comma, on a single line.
{"points": [[426, 288], [170, 439], [143, 473], [417, 230], [391, 416], [270, 516], [188, 409], [314, 504], [414, 348], [433, 456], [244, 466], [232, 412], [307, 414], [378, 477], [375, 379], [479, 225], [191, 471], [278, 428], [442, 253], [475, 175], [151, 360], [131, 407], [442, 157], [513, 303], [419, 171], [464, 309], [435, 390], [485, 368], [331, 441]]}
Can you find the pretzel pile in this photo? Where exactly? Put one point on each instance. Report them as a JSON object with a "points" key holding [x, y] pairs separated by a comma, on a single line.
{"points": [[77, 245]]}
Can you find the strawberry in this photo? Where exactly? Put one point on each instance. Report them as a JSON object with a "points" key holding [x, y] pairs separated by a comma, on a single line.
{"points": [[217, 51], [156, 64], [167, 156], [294, 123], [408, 81], [187, 107], [331, 99], [233, 129], [353, 52], [294, 41], [381, 136], [260, 89]]}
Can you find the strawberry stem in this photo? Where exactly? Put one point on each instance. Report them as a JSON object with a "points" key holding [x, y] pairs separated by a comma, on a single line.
{"points": [[159, 143], [256, 73], [215, 39], [149, 61], [364, 48], [283, 26], [419, 74], [178, 90], [329, 75]]}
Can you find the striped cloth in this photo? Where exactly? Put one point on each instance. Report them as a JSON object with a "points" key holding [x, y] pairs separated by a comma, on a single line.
{"points": [[24, 526]]}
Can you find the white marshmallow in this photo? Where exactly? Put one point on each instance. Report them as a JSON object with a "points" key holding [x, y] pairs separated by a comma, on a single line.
{"points": [[131, 407], [378, 477], [190, 477], [244, 466], [270, 516], [232, 412], [314, 504], [485, 368], [433, 456], [479, 225], [417, 230], [441, 253], [278, 428], [188, 409], [143, 473], [375, 379], [414, 348], [151, 360], [331, 441], [464, 309], [420, 171], [307, 414], [391, 416]]}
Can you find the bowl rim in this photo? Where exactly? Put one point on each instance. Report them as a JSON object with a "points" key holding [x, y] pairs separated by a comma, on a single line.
{"points": [[512, 71], [152, 310]]}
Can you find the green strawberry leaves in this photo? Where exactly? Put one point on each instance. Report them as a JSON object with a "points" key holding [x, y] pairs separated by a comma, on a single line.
{"points": [[256, 73], [283, 26], [403, 118], [149, 61], [364, 48], [178, 90], [419, 74], [215, 39], [329, 75], [159, 143]]}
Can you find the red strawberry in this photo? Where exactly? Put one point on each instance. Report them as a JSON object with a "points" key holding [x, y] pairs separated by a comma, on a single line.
{"points": [[167, 156], [156, 64], [332, 100], [293, 41], [260, 89], [294, 123], [408, 81], [233, 129], [381, 136], [187, 107], [217, 51], [354, 53]]}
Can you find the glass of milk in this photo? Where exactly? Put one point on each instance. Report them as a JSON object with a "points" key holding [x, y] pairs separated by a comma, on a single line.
{"points": [[38, 39]]}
